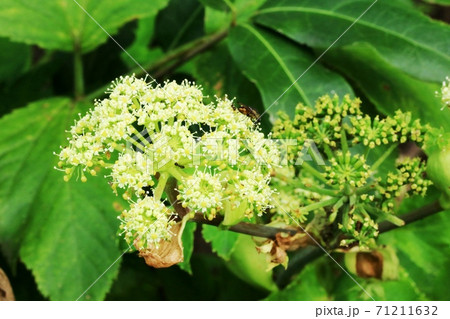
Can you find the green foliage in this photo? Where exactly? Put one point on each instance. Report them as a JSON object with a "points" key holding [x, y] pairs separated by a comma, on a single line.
{"points": [[55, 228], [139, 49], [222, 241], [394, 57], [387, 25], [422, 252], [68, 26], [306, 286], [250, 265], [179, 23], [188, 246], [274, 64], [385, 86], [18, 54]]}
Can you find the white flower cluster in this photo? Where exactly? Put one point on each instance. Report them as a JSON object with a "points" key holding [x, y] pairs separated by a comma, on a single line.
{"points": [[146, 135], [147, 222], [202, 192]]}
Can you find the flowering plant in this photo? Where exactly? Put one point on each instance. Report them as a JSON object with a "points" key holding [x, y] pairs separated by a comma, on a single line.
{"points": [[167, 146], [179, 176], [350, 188], [145, 136]]}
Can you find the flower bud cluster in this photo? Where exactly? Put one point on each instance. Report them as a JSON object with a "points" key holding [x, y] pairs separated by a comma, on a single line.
{"points": [[408, 179], [345, 169], [349, 187], [290, 198], [375, 132], [322, 124]]}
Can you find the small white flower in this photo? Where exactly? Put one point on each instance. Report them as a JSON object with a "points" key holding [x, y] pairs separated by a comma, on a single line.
{"points": [[253, 185], [148, 221], [202, 192], [133, 170]]}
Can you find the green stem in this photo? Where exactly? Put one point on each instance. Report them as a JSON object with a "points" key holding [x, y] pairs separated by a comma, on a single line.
{"points": [[328, 151], [171, 60], [247, 228], [306, 255], [233, 10], [321, 204], [365, 189], [177, 173], [313, 172], [383, 157], [344, 144], [366, 154], [161, 185], [186, 55], [319, 190], [78, 72]]}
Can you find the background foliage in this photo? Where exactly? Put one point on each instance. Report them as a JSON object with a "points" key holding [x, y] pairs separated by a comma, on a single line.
{"points": [[57, 238]]}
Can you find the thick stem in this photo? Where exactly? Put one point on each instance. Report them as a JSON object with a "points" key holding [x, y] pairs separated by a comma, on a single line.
{"points": [[413, 216], [171, 60], [185, 56], [78, 72], [314, 172], [306, 255], [247, 228], [270, 232], [161, 185], [318, 205]]}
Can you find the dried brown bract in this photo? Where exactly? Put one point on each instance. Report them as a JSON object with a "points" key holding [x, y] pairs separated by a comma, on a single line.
{"points": [[168, 253]]}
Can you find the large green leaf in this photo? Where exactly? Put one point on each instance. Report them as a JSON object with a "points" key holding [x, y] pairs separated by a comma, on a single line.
{"points": [[62, 24], [140, 48], [423, 249], [188, 246], [306, 286], [404, 37], [387, 87], [402, 289], [222, 241], [64, 232], [15, 58], [180, 22], [324, 280], [224, 78], [217, 18], [274, 64]]}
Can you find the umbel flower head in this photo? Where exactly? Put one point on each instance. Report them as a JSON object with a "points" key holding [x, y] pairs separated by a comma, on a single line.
{"points": [[351, 189], [146, 136]]}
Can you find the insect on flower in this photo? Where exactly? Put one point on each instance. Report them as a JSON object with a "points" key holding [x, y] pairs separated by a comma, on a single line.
{"points": [[248, 111]]}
